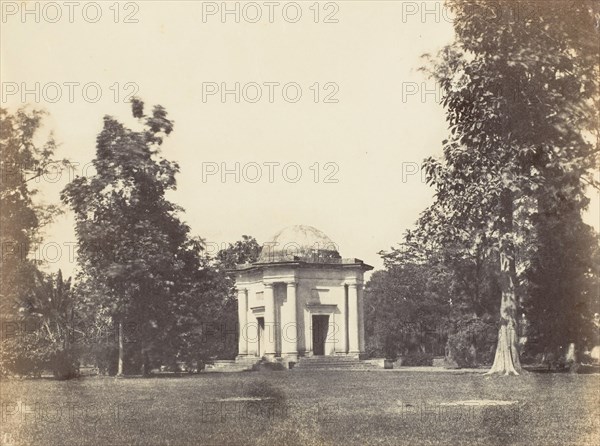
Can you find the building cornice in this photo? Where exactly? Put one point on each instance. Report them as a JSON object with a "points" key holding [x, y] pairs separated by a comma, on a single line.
{"points": [[343, 264]]}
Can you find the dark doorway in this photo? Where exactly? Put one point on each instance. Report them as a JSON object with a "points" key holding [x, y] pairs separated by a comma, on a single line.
{"points": [[320, 324], [261, 335]]}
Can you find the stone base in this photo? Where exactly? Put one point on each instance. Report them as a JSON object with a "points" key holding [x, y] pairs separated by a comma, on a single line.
{"points": [[356, 355], [236, 365], [246, 359], [293, 356]]}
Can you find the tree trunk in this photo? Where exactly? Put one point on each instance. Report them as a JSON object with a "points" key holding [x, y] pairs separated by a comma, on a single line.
{"points": [[506, 361], [120, 363], [145, 364]]}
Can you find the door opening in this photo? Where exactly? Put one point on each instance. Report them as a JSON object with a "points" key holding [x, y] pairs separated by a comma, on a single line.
{"points": [[320, 325], [261, 336]]}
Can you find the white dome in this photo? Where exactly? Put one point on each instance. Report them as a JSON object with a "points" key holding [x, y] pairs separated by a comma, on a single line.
{"points": [[299, 242]]}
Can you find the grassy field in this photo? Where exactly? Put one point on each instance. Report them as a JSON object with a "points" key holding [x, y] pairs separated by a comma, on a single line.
{"points": [[283, 408]]}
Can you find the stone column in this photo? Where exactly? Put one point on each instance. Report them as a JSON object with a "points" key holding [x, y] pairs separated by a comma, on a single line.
{"points": [[270, 331], [243, 322], [353, 328], [289, 324], [361, 318]]}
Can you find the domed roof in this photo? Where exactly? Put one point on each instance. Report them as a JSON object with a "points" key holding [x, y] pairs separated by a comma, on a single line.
{"points": [[299, 242]]}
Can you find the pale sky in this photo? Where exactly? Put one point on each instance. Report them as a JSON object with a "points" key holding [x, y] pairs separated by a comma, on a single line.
{"points": [[386, 120]]}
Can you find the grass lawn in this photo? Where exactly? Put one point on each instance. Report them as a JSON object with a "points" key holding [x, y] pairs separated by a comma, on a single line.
{"points": [[296, 407]]}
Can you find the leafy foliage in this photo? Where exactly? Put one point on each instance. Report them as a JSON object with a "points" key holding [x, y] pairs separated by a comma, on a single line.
{"points": [[562, 283], [521, 96], [472, 343], [243, 251], [223, 329], [42, 339], [22, 159], [405, 312], [510, 145], [139, 266]]}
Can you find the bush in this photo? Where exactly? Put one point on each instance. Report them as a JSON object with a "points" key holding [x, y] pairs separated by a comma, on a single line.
{"points": [[390, 348], [102, 355], [417, 359], [271, 366], [461, 350], [372, 350], [473, 344], [64, 365], [32, 353]]}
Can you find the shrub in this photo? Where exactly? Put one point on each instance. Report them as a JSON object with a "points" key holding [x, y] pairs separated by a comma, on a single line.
{"points": [[390, 348], [102, 355], [373, 351], [271, 366], [473, 344], [32, 353], [460, 349], [64, 365]]}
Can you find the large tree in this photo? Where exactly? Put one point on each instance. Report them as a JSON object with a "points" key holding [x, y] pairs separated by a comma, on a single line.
{"points": [[136, 258], [520, 89], [23, 158], [36, 306]]}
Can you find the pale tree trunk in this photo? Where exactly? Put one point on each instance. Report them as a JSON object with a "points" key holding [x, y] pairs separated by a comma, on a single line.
{"points": [[120, 363], [506, 361]]}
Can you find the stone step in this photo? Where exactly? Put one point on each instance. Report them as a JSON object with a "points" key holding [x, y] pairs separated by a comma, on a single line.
{"points": [[333, 367], [230, 365], [328, 362], [311, 361], [231, 368], [333, 362], [329, 366]]}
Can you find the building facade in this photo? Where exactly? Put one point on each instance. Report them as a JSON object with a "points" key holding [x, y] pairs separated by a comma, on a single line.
{"points": [[301, 298]]}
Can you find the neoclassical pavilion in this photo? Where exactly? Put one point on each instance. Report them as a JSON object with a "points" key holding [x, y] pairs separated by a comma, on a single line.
{"points": [[300, 299]]}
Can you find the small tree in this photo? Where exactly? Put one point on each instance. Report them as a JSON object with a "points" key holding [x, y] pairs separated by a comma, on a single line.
{"points": [[44, 339], [224, 319]]}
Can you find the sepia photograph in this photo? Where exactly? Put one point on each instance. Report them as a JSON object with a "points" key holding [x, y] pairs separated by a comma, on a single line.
{"points": [[311, 222]]}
